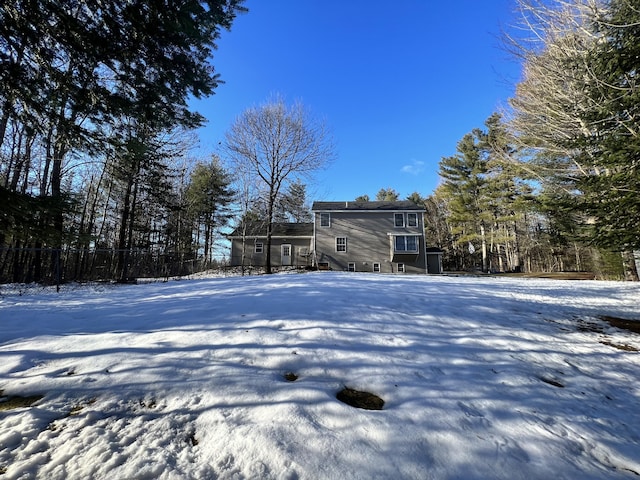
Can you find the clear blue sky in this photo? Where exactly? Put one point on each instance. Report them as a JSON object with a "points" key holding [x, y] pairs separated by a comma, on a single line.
{"points": [[398, 83]]}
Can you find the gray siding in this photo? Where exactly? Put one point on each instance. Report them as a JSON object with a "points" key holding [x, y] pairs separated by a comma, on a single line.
{"points": [[370, 237], [298, 247]]}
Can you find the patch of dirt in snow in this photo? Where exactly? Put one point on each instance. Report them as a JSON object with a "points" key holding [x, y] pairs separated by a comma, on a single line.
{"points": [[632, 326], [620, 346], [17, 401], [552, 382], [624, 324], [358, 399]]}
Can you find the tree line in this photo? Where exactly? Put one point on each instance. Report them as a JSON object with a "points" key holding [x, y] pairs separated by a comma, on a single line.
{"points": [[492, 213], [93, 136], [553, 182], [97, 179], [576, 120]]}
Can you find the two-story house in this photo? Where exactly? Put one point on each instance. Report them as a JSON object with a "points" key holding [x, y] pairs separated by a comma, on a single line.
{"points": [[385, 237]]}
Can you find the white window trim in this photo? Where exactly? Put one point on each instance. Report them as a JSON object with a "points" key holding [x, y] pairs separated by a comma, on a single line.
{"points": [[349, 265], [412, 215], [376, 264], [345, 245], [401, 268], [417, 249], [328, 216], [403, 220]]}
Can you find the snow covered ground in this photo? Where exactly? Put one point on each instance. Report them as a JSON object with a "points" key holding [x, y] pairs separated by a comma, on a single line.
{"points": [[481, 377]]}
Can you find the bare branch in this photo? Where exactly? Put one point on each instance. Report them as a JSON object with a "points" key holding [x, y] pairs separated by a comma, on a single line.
{"points": [[278, 143]]}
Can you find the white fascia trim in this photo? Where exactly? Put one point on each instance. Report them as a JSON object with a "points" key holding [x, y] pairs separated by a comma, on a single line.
{"points": [[272, 236], [370, 211]]}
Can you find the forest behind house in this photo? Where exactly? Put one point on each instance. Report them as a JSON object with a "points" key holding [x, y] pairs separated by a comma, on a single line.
{"points": [[99, 179]]}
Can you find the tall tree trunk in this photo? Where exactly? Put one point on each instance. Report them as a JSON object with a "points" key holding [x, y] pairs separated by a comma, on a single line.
{"points": [[17, 166], [208, 227], [516, 249], [270, 208], [132, 221], [4, 120], [267, 263], [629, 265], [122, 235], [485, 259], [58, 215], [80, 244], [578, 261]]}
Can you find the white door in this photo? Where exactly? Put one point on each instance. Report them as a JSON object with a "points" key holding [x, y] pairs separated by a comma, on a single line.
{"points": [[286, 254]]}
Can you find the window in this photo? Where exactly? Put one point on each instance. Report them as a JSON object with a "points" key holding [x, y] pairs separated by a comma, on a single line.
{"points": [[406, 243], [376, 267], [398, 219], [323, 265], [412, 219], [325, 219], [401, 268], [258, 247], [341, 244], [351, 267]]}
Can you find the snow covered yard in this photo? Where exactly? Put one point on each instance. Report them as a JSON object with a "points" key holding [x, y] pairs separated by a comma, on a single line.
{"points": [[481, 378]]}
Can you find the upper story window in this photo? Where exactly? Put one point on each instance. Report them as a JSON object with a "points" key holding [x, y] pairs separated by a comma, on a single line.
{"points": [[412, 219], [406, 243], [398, 219], [341, 244], [325, 219]]}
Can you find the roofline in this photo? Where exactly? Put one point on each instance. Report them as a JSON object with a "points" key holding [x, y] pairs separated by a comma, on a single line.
{"points": [[272, 236], [372, 210], [368, 206]]}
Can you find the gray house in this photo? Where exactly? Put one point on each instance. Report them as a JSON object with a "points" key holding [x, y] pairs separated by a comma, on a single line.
{"points": [[291, 245], [385, 237]]}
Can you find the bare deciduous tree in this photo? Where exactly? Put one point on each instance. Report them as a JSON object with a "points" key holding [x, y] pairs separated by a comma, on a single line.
{"points": [[550, 104], [576, 109], [277, 144]]}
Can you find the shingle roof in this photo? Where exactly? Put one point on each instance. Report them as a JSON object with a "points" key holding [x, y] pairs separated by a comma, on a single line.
{"points": [[277, 230], [363, 206]]}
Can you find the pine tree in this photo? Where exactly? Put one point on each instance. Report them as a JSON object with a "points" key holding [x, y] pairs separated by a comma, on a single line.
{"points": [[509, 194], [72, 70], [612, 189], [577, 109], [387, 195], [464, 176], [208, 197], [294, 204]]}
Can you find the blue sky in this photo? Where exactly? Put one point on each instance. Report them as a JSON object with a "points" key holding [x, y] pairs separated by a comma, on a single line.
{"points": [[398, 83]]}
